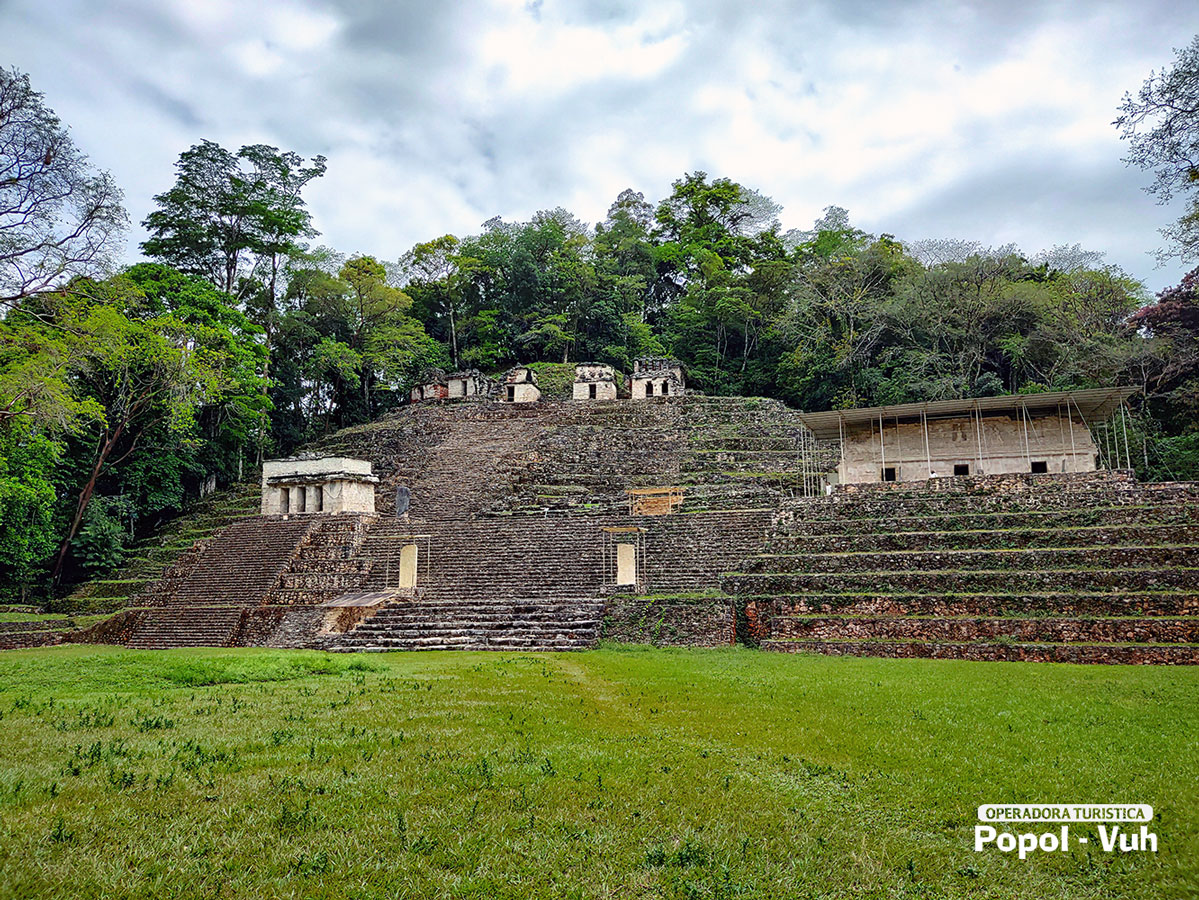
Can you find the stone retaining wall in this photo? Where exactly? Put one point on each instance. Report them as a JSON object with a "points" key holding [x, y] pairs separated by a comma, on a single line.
{"points": [[670, 622]]}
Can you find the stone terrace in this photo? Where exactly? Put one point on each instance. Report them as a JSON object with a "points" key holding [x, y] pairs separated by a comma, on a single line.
{"points": [[1068, 568], [512, 500]]}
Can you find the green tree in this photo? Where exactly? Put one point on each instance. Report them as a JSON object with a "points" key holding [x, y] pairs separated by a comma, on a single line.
{"points": [[59, 217], [233, 217], [1161, 126], [148, 364]]}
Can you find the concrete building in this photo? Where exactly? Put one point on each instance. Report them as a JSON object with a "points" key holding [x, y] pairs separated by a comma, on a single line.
{"points": [[312, 484], [657, 376], [594, 381], [520, 386], [1047, 433]]}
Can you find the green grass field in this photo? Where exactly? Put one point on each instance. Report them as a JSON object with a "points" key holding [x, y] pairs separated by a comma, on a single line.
{"points": [[619, 773]]}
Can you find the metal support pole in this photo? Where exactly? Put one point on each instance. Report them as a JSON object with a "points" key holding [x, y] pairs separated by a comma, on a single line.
{"points": [[841, 467], [1027, 448], [1124, 426], [978, 428], [882, 447], [1073, 452], [928, 455]]}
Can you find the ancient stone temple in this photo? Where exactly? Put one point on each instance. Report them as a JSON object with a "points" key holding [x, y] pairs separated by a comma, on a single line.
{"points": [[1036, 434], [431, 385], [656, 377], [700, 522], [594, 381], [468, 384], [317, 484], [520, 386]]}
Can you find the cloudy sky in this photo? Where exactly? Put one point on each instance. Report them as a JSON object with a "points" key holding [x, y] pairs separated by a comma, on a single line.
{"points": [[988, 121]]}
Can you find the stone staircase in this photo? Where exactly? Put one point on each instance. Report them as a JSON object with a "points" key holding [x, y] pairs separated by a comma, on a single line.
{"points": [[540, 624], [1065, 568], [151, 557], [476, 459], [199, 601], [536, 584], [327, 564]]}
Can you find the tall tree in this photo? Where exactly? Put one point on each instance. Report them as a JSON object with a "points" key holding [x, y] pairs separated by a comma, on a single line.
{"points": [[151, 362], [59, 216], [233, 215], [1161, 125]]}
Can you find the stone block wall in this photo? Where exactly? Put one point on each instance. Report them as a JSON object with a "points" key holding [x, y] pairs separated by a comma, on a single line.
{"points": [[670, 621]]}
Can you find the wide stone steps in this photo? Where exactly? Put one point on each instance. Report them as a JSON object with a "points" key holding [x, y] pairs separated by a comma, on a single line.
{"points": [[997, 651], [1074, 498], [964, 581], [1181, 602], [1016, 520], [190, 626], [1035, 559], [1018, 539], [244, 561], [526, 625], [1157, 630]]}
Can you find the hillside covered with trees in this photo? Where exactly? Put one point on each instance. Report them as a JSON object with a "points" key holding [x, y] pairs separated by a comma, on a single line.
{"points": [[125, 393]]}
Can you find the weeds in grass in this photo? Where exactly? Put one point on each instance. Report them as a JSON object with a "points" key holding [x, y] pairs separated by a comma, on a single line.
{"points": [[522, 775]]}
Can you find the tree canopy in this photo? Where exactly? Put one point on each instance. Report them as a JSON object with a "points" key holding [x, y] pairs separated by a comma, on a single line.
{"points": [[1161, 126], [124, 395]]}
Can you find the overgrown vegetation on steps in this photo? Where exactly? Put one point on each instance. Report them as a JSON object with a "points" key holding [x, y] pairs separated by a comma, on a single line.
{"points": [[149, 557]]}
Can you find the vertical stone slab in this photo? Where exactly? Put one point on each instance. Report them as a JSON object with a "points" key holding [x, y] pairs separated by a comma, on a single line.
{"points": [[626, 564], [409, 566]]}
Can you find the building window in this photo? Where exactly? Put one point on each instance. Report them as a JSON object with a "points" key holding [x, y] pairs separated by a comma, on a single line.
{"points": [[511, 394], [1040, 467], [649, 389], [961, 468], [665, 388], [593, 391], [889, 473]]}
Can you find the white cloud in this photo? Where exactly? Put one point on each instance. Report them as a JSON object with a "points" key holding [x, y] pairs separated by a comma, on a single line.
{"points": [[973, 121]]}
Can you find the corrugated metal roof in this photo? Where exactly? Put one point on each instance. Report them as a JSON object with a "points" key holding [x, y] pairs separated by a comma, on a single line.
{"points": [[1093, 404]]}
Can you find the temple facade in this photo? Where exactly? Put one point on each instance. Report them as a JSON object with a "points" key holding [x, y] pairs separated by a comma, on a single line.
{"points": [[594, 381], [310, 484], [520, 386], [655, 376]]}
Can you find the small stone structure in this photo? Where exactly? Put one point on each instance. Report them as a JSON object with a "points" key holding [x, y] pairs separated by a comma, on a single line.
{"points": [[657, 376], [317, 484], [594, 381], [520, 386], [432, 386], [655, 501], [468, 384], [1038, 434]]}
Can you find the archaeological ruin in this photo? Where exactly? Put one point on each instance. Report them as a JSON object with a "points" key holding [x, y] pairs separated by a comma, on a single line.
{"points": [[1007, 528], [656, 377], [519, 385], [594, 381], [1036, 434]]}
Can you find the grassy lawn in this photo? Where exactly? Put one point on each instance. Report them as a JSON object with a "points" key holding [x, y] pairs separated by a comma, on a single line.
{"points": [[617, 773]]}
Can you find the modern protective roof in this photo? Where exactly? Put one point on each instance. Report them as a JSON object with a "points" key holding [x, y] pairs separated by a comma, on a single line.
{"points": [[1093, 404]]}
